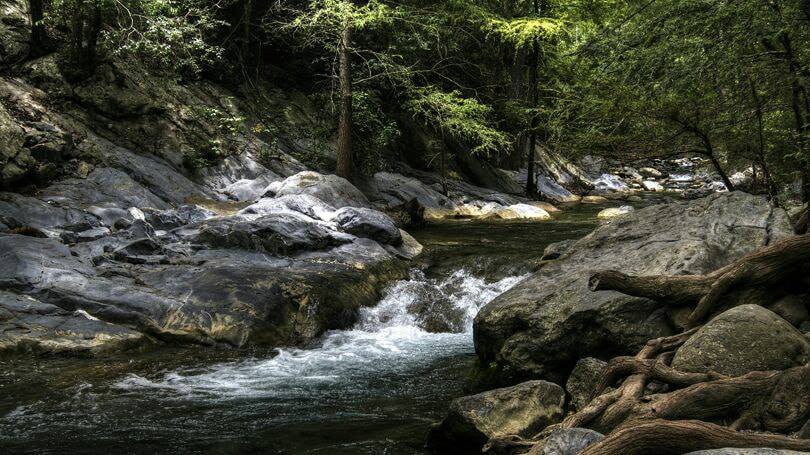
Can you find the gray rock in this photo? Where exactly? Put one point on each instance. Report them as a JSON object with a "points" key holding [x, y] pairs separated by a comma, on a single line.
{"points": [[543, 325], [396, 189], [368, 223], [15, 32], [30, 326], [331, 189], [743, 339], [737, 451], [276, 233], [583, 380], [521, 410], [570, 441]]}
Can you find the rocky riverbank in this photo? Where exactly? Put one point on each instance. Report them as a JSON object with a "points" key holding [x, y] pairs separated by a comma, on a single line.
{"points": [[552, 327]]}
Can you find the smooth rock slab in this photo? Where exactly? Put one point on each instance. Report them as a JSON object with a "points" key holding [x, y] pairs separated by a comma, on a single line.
{"points": [[743, 339], [331, 189], [521, 410]]}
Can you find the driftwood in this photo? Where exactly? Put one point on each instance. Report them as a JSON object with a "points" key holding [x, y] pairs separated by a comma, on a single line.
{"points": [[699, 410]]}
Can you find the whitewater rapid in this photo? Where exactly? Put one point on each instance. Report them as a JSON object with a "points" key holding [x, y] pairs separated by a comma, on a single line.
{"points": [[389, 339]]}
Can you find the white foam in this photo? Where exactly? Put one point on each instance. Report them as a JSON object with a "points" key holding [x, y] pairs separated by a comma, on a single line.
{"points": [[387, 338]]}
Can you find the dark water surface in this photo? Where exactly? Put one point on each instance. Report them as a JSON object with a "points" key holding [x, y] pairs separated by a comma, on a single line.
{"points": [[371, 390]]}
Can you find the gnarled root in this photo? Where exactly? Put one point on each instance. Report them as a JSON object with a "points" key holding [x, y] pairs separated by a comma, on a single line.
{"points": [[681, 436], [758, 277]]}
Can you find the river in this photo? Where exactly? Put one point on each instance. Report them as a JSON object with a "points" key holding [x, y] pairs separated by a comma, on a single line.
{"points": [[374, 389]]}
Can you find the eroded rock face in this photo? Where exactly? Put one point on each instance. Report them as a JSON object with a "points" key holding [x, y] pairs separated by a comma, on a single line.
{"points": [[519, 410], [743, 339], [543, 325]]}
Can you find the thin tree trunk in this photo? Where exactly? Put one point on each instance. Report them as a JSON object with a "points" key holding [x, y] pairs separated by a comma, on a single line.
{"points": [[77, 32], [766, 175], [344, 151], [38, 35], [801, 125], [89, 54], [248, 13], [531, 179], [443, 163], [716, 163]]}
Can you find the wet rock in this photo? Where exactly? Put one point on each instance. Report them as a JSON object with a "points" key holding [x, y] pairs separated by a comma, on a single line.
{"points": [[167, 220], [520, 410], [545, 206], [570, 441], [275, 233], [368, 223], [613, 212], [543, 325], [743, 339], [556, 249], [583, 380], [331, 189], [609, 183], [30, 326], [15, 160]]}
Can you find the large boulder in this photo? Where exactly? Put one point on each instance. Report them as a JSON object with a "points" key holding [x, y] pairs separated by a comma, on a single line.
{"points": [[521, 410], [743, 339], [15, 160], [331, 189], [15, 32], [543, 325], [301, 203], [613, 212], [368, 223]]}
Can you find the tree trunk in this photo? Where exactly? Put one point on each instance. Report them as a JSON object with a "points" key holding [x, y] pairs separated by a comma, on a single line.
{"points": [[93, 32], [344, 150], [246, 24], [716, 163], [531, 179], [766, 175], [38, 34], [800, 121], [77, 32]]}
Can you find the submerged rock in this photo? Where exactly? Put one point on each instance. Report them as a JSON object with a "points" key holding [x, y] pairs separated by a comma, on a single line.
{"points": [[520, 410], [743, 339], [543, 325]]}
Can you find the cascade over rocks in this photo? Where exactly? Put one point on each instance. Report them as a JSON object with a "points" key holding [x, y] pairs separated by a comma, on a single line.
{"points": [[541, 326]]}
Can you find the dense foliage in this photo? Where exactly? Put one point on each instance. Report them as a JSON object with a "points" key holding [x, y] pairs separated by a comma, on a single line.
{"points": [[625, 78]]}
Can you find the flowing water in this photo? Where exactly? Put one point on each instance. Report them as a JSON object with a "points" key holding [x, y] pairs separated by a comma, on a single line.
{"points": [[373, 389]]}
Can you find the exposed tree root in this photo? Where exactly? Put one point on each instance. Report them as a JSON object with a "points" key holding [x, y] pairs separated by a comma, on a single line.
{"points": [[700, 410], [762, 276], [677, 437]]}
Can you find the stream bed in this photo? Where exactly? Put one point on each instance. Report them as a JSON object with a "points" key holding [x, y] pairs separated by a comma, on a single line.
{"points": [[373, 389]]}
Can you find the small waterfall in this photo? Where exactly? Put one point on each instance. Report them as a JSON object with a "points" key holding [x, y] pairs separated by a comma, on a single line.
{"points": [[418, 321]]}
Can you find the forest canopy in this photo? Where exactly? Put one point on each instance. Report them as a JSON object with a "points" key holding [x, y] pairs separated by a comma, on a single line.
{"points": [[727, 80]]}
